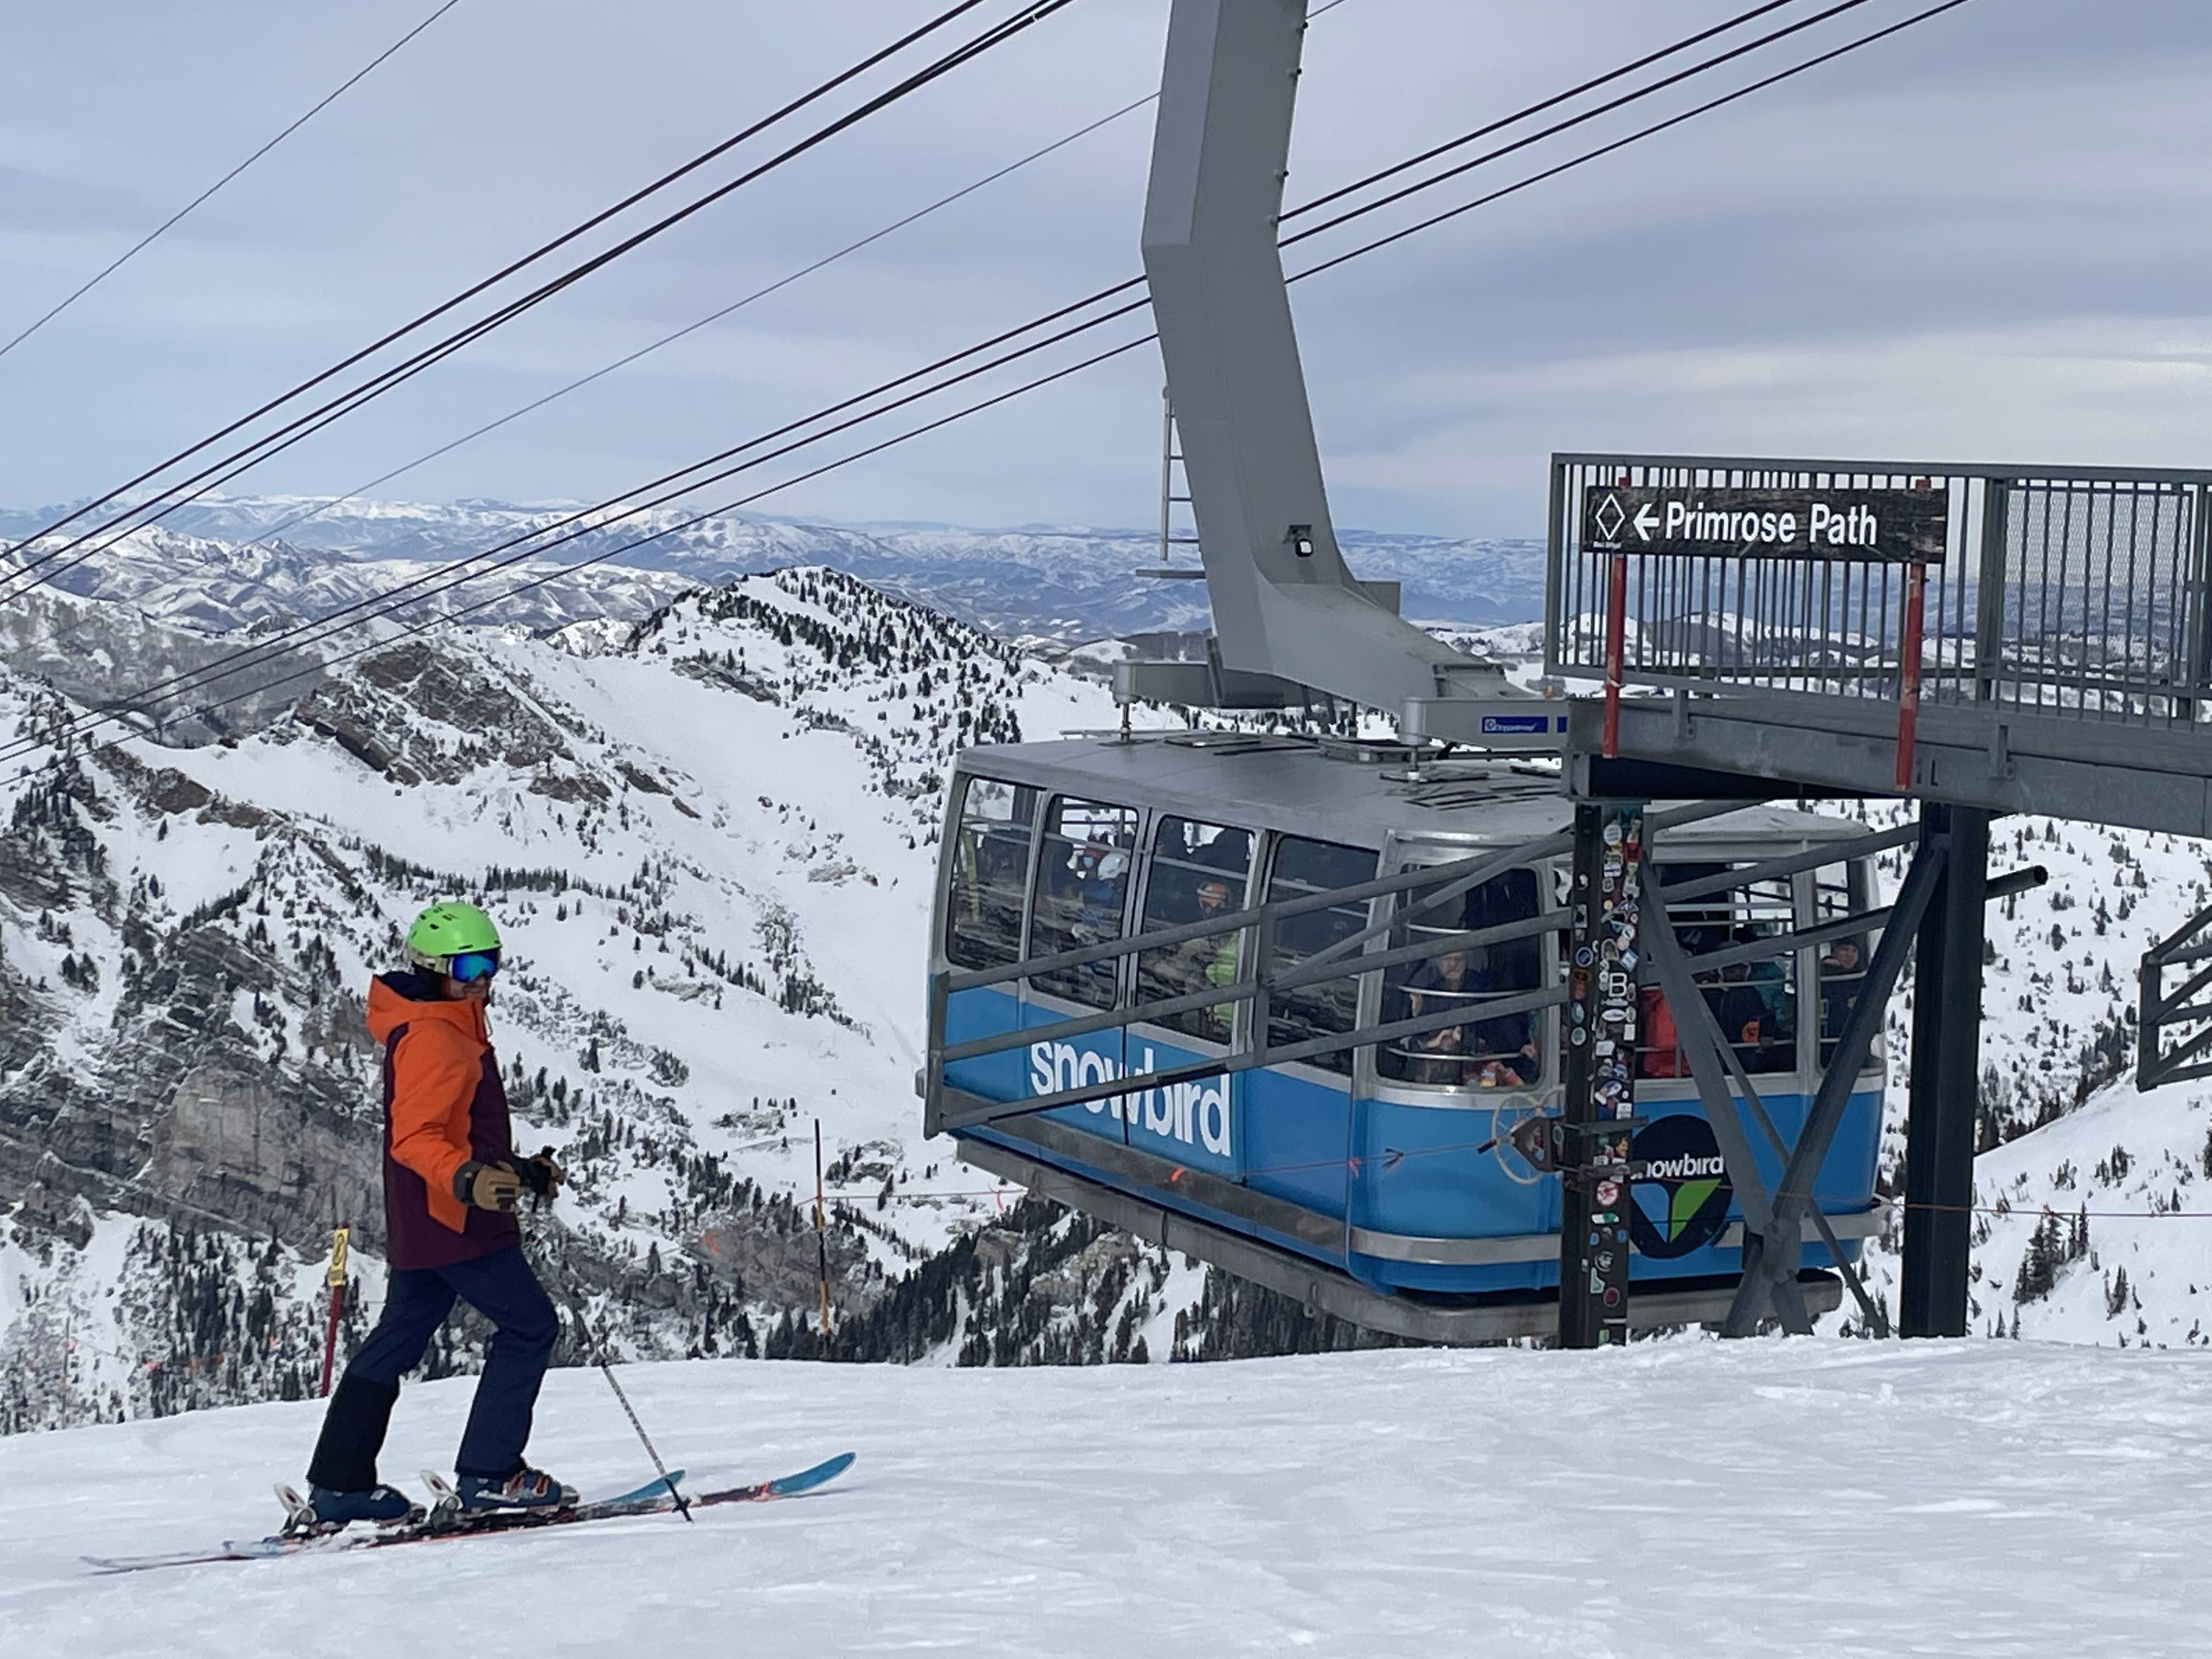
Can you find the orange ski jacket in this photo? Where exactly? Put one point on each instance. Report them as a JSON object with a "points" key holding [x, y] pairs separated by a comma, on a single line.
{"points": [[443, 1106]]}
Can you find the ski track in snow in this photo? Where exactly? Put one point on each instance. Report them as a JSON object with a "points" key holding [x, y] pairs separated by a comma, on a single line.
{"points": [[1687, 1497]]}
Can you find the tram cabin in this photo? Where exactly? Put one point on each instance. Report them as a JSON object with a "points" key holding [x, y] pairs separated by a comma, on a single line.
{"points": [[1386, 1163]]}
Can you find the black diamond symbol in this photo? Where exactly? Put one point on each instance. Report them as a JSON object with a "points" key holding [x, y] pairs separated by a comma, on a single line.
{"points": [[1610, 516]]}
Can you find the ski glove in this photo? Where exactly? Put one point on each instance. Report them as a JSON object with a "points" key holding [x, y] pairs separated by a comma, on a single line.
{"points": [[488, 1186], [541, 1175]]}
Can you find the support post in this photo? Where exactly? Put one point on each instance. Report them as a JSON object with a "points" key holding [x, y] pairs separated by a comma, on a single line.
{"points": [[2199, 585], [1616, 649], [1592, 1136], [1908, 684], [1989, 589], [1947, 1020], [821, 1236]]}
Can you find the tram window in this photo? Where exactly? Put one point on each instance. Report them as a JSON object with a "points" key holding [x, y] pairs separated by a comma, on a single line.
{"points": [[1754, 1002], [1843, 962], [1082, 894], [1486, 1054], [1332, 1007], [990, 867], [1198, 870]]}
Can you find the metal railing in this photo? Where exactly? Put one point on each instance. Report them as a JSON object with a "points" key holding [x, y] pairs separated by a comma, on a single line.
{"points": [[2075, 593], [1364, 950], [2173, 1026]]}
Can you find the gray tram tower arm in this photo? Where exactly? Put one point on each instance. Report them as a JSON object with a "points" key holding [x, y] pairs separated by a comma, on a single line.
{"points": [[1289, 618]]}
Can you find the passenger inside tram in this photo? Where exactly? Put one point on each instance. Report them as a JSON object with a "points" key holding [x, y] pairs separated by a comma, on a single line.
{"points": [[1487, 1053], [1842, 972], [1211, 961], [1083, 884], [1198, 873], [1753, 1004], [1102, 871]]}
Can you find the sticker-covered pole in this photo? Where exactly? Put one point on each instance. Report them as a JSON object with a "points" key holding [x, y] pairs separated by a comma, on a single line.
{"points": [[335, 1278], [1591, 1139]]}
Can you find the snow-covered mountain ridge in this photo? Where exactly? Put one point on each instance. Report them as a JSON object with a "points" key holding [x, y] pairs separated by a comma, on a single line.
{"points": [[228, 562]]}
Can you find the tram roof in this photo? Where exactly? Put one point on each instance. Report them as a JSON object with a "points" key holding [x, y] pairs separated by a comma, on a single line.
{"points": [[1351, 793]]}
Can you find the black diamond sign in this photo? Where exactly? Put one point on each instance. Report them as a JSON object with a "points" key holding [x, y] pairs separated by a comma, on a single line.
{"points": [[1862, 526]]}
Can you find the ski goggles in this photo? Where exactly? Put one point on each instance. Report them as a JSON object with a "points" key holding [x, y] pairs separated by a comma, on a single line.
{"points": [[469, 966]]}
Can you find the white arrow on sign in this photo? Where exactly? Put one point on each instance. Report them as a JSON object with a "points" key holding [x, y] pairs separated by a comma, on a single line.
{"points": [[1647, 520]]}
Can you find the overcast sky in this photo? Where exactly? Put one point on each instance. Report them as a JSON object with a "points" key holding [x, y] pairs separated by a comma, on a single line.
{"points": [[1988, 239]]}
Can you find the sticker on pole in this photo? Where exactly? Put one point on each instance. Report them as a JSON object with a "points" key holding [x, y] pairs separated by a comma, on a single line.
{"points": [[1860, 526]]}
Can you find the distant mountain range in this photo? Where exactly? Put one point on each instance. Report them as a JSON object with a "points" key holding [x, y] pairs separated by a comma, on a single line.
{"points": [[232, 562]]}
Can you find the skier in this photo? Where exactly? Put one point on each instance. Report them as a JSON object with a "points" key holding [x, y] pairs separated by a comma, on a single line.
{"points": [[451, 1184]]}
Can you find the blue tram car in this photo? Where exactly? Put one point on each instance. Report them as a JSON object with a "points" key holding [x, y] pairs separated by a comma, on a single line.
{"points": [[1380, 1181]]}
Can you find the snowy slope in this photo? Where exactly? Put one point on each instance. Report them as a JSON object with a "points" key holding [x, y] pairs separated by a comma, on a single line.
{"points": [[2064, 1134], [709, 845], [1683, 1498]]}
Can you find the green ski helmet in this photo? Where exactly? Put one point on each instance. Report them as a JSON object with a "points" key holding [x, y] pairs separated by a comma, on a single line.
{"points": [[454, 939]]}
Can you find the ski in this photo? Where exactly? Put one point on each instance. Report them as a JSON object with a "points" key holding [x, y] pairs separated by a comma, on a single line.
{"points": [[652, 1499], [433, 1525]]}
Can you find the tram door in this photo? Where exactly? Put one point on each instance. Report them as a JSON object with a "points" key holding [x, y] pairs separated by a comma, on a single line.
{"points": [[1437, 1101], [1194, 870], [1296, 1117], [1079, 895]]}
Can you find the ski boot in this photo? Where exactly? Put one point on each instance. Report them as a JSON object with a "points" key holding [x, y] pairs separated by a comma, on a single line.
{"points": [[324, 1511], [526, 1489]]}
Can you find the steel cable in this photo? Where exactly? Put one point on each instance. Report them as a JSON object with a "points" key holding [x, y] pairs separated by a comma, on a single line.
{"points": [[155, 234], [459, 341], [184, 683], [953, 60]]}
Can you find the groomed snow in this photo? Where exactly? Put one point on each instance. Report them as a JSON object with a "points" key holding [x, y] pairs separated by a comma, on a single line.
{"points": [[1690, 1497]]}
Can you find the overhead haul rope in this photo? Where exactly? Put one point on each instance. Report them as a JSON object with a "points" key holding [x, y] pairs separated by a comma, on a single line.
{"points": [[151, 236], [989, 178], [301, 427], [426, 362], [758, 293], [267, 650], [1682, 45]]}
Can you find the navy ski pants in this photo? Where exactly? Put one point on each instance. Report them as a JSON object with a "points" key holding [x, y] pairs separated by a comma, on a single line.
{"points": [[501, 1287]]}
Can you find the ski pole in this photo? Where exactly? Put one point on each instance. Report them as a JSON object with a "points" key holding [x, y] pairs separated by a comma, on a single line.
{"points": [[335, 1280], [599, 1356]]}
